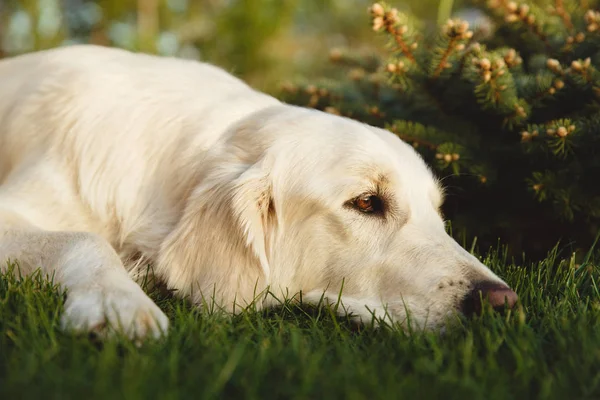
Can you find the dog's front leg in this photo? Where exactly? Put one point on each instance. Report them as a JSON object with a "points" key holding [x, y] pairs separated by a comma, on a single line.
{"points": [[100, 294]]}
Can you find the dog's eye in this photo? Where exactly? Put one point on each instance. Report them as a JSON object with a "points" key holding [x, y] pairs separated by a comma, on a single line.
{"points": [[368, 204]]}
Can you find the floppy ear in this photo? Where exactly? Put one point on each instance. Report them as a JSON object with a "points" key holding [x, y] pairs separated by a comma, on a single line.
{"points": [[219, 249]]}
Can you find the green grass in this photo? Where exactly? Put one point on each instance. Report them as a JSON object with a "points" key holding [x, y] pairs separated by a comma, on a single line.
{"points": [[548, 348]]}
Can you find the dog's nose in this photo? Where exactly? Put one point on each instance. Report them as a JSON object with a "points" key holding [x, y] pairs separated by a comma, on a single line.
{"points": [[496, 294]]}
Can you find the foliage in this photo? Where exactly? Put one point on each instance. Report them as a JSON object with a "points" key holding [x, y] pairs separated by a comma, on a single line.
{"points": [[259, 40], [205, 29], [508, 112]]}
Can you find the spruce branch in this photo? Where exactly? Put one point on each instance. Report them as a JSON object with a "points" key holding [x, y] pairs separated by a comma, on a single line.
{"points": [[583, 73], [418, 134], [540, 87], [506, 111], [454, 33], [451, 155], [494, 87], [513, 13], [558, 136], [367, 62], [559, 10], [388, 19]]}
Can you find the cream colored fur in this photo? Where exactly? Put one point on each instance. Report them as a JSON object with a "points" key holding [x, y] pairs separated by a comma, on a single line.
{"points": [[110, 161]]}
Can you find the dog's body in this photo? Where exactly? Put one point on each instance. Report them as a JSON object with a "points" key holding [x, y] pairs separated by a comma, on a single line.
{"points": [[111, 159]]}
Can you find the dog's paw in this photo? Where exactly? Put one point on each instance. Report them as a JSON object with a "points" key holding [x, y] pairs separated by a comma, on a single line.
{"points": [[106, 311]]}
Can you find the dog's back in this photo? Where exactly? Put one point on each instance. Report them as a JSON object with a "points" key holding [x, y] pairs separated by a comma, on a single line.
{"points": [[95, 112], [151, 99]]}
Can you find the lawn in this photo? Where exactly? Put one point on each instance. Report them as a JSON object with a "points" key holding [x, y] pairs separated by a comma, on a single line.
{"points": [[548, 348]]}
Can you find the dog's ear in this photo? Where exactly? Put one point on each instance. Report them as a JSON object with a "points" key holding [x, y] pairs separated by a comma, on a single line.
{"points": [[252, 205], [219, 250]]}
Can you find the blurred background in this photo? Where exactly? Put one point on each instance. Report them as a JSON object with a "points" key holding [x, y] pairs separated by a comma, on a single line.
{"points": [[264, 42]]}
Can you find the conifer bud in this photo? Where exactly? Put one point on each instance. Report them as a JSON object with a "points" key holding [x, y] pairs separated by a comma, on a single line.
{"points": [[558, 84], [550, 132], [377, 10], [483, 179], [576, 65], [589, 16], [391, 67], [531, 19], [447, 157], [525, 136], [511, 18], [571, 128], [521, 111], [335, 55], [311, 89], [439, 156], [455, 157], [459, 47], [392, 16], [377, 23], [485, 64], [414, 46], [537, 187], [375, 111], [580, 37], [562, 132], [553, 65], [523, 10], [511, 6], [551, 90], [570, 39], [402, 29], [487, 75], [510, 55]]}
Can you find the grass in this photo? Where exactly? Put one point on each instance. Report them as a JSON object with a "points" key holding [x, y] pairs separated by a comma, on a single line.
{"points": [[548, 348]]}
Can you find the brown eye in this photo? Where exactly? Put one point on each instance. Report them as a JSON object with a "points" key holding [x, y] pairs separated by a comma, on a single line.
{"points": [[368, 204]]}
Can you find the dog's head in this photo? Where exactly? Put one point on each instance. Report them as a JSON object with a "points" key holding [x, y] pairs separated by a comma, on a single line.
{"points": [[302, 201]]}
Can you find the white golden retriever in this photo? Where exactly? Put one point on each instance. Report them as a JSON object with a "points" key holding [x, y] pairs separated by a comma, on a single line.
{"points": [[111, 160]]}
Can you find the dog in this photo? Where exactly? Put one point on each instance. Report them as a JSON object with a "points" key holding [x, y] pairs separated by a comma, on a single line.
{"points": [[111, 161]]}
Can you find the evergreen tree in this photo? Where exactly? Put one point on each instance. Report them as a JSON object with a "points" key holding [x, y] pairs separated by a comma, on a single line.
{"points": [[511, 119]]}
